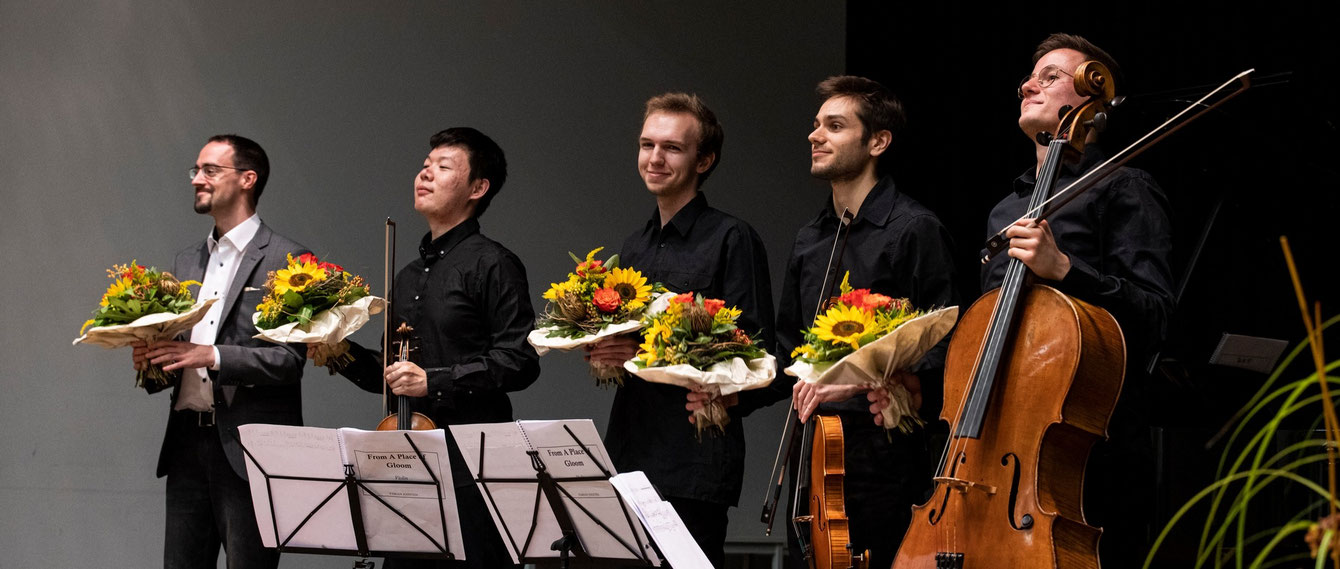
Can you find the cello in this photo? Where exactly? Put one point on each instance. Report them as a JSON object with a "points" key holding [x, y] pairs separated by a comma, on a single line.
{"points": [[823, 532], [1033, 376], [402, 419]]}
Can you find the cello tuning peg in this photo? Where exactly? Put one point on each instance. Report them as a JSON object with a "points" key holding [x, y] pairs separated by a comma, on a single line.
{"points": [[1119, 99], [1099, 122], [1064, 111], [1044, 138]]}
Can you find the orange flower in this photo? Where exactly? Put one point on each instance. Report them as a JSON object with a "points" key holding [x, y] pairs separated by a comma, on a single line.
{"points": [[876, 301], [713, 305], [606, 299], [686, 298]]}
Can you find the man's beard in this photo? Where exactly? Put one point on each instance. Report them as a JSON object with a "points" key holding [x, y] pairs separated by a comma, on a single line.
{"points": [[204, 206], [842, 167]]}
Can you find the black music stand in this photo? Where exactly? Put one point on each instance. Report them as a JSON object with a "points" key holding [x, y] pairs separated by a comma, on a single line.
{"points": [[350, 485], [569, 539]]}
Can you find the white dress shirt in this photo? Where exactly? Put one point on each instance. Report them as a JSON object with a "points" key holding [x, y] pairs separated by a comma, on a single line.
{"points": [[225, 254]]}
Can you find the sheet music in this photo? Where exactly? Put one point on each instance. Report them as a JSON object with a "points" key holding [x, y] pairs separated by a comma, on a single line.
{"points": [[661, 519], [312, 452], [513, 503]]}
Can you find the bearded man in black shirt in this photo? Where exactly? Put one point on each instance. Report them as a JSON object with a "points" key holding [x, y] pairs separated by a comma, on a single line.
{"points": [[896, 247], [689, 247], [1109, 247], [466, 298]]}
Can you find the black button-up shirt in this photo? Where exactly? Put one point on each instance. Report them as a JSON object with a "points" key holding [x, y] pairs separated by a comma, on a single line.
{"points": [[466, 298], [716, 255], [897, 248], [1118, 238]]}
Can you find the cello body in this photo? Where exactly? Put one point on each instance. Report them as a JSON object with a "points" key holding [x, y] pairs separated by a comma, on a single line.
{"points": [[1012, 496]]}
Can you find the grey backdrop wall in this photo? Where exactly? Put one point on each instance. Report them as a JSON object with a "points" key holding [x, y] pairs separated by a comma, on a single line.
{"points": [[104, 105]]}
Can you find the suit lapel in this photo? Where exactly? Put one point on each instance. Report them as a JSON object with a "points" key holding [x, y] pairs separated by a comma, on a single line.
{"points": [[250, 259]]}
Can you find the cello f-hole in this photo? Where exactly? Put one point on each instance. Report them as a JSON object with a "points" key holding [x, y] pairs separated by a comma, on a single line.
{"points": [[1025, 522]]}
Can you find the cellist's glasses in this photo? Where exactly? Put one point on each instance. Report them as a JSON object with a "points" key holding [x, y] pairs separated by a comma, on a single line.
{"points": [[1043, 78]]}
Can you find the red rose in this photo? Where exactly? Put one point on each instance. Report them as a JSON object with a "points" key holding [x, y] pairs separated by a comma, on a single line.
{"points": [[308, 258], [713, 305], [685, 298], [606, 299], [331, 267], [855, 298]]}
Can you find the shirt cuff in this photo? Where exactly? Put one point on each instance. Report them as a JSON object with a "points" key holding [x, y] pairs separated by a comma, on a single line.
{"points": [[217, 360]]}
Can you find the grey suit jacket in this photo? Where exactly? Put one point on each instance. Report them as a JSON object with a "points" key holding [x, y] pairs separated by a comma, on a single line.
{"points": [[257, 381]]}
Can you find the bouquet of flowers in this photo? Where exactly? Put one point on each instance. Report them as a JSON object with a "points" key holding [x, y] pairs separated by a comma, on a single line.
{"points": [[315, 302], [143, 304], [597, 300], [694, 342], [862, 338]]}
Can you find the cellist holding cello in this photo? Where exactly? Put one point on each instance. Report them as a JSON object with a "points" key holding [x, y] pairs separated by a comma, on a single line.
{"points": [[1109, 248], [895, 247]]}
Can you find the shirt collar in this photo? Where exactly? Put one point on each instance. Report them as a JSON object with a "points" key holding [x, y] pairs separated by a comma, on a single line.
{"points": [[239, 236], [684, 219], [876, 209], [432, 250], [1093, 155]]}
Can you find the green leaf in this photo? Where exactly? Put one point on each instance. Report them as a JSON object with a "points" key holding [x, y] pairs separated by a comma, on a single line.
{"points": [[292, 299]]}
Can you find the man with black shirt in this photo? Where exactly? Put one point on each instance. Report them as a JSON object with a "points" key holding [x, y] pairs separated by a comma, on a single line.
{"points": [[896, 248], [689, 247], [466, 298], [1110, 248]]}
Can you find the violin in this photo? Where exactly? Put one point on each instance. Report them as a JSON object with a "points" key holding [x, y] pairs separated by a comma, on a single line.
{"points": [[823, 532], [402, 419]]}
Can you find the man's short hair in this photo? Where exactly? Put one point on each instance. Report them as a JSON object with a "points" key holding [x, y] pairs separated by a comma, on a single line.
{"points": [[1084, 46], [486, 159], [876, 107], [247, 155], [710, 134]]}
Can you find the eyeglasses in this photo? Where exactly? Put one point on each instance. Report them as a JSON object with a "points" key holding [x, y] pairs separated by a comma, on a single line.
{"points": [[1044, 79], [212, 170]]}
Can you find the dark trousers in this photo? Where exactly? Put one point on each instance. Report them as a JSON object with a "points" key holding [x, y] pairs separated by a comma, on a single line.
{"points": [[707, 523], [484, 547], [208, 505]]}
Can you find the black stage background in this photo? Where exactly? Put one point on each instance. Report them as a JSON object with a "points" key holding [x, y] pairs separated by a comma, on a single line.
{"points": [[1266, 162]]}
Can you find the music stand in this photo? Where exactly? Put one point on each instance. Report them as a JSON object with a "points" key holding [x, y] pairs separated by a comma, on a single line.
{"points": [[355, 525], [563, 502]]}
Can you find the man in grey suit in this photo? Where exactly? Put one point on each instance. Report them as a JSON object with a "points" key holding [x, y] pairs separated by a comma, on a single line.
{"points": [[228, 378]]}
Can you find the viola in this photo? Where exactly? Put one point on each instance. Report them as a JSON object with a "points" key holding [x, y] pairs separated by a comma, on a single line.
{"points": [[823, 532]]}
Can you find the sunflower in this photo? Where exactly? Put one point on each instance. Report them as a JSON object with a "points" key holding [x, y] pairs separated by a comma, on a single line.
{"points": [[632, 287], [118, 288], [297, 276], [844, 325]]}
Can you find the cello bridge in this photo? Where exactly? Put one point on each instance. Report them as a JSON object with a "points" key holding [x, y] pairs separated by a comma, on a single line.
{"points": [[964, 485]]}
